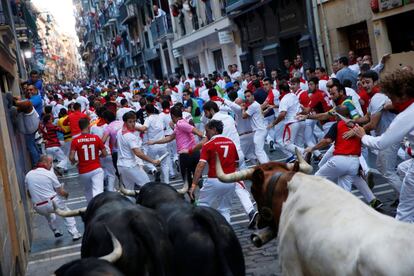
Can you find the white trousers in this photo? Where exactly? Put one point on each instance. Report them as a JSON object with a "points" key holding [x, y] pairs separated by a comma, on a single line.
{"points": [[246, 142], [278, 138], [244, 197], [404, 167], [133, 176], [109, 172], [359, 182], [310, 139], [92, 183], [172, 157], [271, 132], [155, 152], [47, 211], [58, 154], [386, 165], [341, 169], [215, 191], [293, 136], [259, 138], [405, 210]]}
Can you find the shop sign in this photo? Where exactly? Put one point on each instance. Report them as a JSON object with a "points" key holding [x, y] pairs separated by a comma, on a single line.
{"points": [[225, 37], [177, 52]]}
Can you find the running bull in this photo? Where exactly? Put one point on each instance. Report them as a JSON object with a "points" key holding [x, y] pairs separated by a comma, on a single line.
{"points": [[146, 247], [204, 243], [322, 229]]}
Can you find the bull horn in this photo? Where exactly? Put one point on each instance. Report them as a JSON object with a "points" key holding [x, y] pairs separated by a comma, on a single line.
{"points": [[116, 253], [303, 165], [232, 177], [127, 192], [70, 213], [185, 187]]}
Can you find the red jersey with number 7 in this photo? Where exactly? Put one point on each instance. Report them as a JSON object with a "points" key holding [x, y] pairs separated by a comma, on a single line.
{"points": [[227, 153], [87, 146]]}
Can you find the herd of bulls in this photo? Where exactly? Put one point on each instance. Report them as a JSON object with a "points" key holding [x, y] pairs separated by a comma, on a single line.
{"points": [[162, 234], [321, 230]]}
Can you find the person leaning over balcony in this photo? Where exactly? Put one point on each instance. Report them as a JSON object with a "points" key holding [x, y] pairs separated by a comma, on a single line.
{"points": [[158, 12]]}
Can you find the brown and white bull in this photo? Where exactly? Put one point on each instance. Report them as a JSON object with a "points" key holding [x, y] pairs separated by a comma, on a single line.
{"points": [[322, 229]]}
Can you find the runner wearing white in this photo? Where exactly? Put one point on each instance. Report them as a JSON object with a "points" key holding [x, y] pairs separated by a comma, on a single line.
{"points": [[171, 146], [293, 130], [254, 113], [83, 101], [45, 188], [154, 126], [401, 126]]}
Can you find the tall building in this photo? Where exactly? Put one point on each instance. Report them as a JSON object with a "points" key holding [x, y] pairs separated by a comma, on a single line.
{"points": [[14, 207]]}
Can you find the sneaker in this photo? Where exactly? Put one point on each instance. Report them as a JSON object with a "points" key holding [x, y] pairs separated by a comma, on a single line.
{"points": [[395, 203], [57, 233], [370, 180], [291, 159], [76, 236], [253, 215], [376, 204], [271, 146]]}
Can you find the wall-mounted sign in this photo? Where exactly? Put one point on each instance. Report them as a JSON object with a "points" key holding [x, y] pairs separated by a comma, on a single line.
{"points": [[177, 52], [225, 37]]}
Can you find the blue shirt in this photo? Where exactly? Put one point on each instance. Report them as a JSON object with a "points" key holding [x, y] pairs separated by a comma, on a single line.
{"points": [[37, 104], [348, 74]]}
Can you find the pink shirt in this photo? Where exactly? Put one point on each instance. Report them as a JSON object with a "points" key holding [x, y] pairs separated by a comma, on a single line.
{"points": [[184, 136], [112, 130]]}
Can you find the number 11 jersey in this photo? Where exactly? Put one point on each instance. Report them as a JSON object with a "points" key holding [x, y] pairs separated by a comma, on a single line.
{"points": [[87, 147]]}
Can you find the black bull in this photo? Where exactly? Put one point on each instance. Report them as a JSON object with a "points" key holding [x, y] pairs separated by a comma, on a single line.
{"points": [[145, 243], [204, 243]]}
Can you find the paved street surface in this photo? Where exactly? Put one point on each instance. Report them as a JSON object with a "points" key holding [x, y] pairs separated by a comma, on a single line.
{"points": [[48, 253]]}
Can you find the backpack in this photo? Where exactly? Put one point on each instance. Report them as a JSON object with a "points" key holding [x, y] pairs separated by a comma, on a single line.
{"points": [[197, 107]]}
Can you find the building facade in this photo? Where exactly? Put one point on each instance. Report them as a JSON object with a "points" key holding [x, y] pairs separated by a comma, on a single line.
{"points": [[14, 206], [271, 31], [371, 28]]}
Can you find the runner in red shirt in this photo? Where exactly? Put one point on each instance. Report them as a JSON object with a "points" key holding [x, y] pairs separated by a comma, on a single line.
{"points": [[73, 120], [87, 147], [213, 190]]}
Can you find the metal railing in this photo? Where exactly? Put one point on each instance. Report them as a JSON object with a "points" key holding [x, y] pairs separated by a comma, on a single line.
{"points": [[161, 26]]}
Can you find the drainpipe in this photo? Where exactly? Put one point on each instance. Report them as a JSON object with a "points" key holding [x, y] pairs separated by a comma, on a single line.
{"points": [[311, 28], [325, 30], [318, 33]]}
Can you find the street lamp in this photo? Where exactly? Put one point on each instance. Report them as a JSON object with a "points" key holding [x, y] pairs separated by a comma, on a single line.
{"points": [[28, 54]]}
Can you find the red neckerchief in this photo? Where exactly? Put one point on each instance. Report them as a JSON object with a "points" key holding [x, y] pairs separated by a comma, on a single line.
{"points": [[302, 80], [216, 99], [283, 94], [166, 110], [125, 130], [100, 122], [400, 107], [40, 165], [325, 78], [340, 101], [376, 89]]}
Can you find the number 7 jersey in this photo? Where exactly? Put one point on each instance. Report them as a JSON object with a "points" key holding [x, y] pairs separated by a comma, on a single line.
{"points": [[227, 153], [87, 147]]}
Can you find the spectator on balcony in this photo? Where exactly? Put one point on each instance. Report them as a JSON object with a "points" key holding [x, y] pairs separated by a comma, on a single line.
{"points": [[158, 12]]}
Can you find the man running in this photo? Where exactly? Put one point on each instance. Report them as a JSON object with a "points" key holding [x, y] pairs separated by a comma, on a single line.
{"points": [[88, 147]]}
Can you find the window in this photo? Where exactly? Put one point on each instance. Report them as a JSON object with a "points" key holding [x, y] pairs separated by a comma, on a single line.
{"points": [[194, 65], [218, 60]]}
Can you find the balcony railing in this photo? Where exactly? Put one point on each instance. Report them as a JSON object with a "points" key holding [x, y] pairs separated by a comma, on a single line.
{"points": [[126, 14], [161, 26], [232, 5]]}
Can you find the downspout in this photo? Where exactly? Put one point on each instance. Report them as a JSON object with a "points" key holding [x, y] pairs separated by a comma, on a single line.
{"points": [[311, 29], [325, 30], [318, 33]]}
